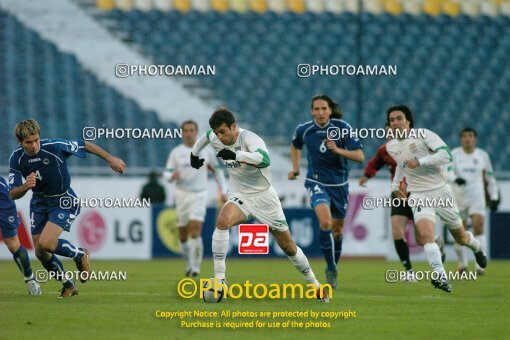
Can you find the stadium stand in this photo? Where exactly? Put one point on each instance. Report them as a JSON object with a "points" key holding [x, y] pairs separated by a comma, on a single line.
{"points": [[452, 64], [42, 82], [452, 69]]}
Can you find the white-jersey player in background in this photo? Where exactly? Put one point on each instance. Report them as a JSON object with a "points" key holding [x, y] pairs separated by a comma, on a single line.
{"points": [[466, 173], [422, 159], [251, 194], [191, 195]]}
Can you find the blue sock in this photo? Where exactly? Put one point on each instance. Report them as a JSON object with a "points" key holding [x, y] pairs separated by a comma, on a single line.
{"points": [[326, 242], [23, 262], [65, 248], [338, 249], [54, 265]]}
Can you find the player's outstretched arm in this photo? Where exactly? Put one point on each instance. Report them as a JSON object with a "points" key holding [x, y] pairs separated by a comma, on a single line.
{"points": [[20, 191], [295, 157], [115, 163]]}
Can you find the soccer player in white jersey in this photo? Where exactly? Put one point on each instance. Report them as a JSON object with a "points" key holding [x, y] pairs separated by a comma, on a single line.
{"points": [[191, 195], [467, 172], [251, 194], [421, 157]]}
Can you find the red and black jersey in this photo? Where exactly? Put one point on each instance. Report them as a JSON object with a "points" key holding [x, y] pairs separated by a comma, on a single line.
{"points": [[380, 159]]}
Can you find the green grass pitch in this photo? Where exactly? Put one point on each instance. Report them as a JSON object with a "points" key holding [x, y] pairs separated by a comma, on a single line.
{"points": [[126, 309]]}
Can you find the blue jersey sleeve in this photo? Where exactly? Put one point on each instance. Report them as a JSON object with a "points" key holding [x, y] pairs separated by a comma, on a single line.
{"points": [[71, 147], [297, 139], [351, 141], [15, 176]]}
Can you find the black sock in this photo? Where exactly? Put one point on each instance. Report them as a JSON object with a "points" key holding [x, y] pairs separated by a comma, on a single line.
{"points": [[338, 249], [403, 253], [23, 262]]}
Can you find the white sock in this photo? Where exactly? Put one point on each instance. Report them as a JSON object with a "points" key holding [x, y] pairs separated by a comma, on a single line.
{"points": [[473, 243], [196, 253], [481, 239], [459, 250], [185, 253], [301, 263], [434, 257], [220, 244]]}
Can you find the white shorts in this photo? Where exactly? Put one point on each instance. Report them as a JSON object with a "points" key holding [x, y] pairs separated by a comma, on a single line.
{"points": [[265, 207], [189, 206], [441, 202], [471, 206]]}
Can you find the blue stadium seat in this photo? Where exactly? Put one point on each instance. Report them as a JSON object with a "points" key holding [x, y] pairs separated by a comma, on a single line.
{"points": [[450, 70]]}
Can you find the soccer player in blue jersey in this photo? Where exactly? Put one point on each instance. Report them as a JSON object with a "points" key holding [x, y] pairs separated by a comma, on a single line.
{"points": [[9, 223], [43, 165], [328, 172]]}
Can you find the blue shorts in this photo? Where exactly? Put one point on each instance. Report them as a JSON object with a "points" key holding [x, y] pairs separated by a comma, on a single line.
{"points": [[49, 209], [9, 224], [337, 197]]}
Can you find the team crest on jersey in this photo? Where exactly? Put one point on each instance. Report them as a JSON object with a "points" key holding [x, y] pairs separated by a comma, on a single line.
{"points": [[61, 216], [74, 146], [11, 219], [46, 161], [475, 161], [413, 148]]}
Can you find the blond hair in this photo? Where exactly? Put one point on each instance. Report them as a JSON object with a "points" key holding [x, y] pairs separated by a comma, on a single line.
{"points": [[27, 128]]}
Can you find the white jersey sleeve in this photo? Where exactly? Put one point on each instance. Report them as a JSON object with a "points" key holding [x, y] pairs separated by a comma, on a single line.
{"points": [[170, 167], [432, 153], [249, 173], [452, 168], [489, 175], [257, 154], [201, 143], [441, 155]]}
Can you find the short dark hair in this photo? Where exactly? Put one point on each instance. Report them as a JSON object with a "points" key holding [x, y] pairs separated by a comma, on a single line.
{"points": [[189, 122], [220, 116], [336, 109], [405, 109], [468, 129]]}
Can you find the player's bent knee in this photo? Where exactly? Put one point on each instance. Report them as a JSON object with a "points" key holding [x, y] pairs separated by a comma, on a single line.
{"points": [[46, 245]]}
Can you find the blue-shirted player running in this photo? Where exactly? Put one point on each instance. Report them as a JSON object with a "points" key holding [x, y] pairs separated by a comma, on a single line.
{"points": [[9, 223], [328, 172], [43, 165]]}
